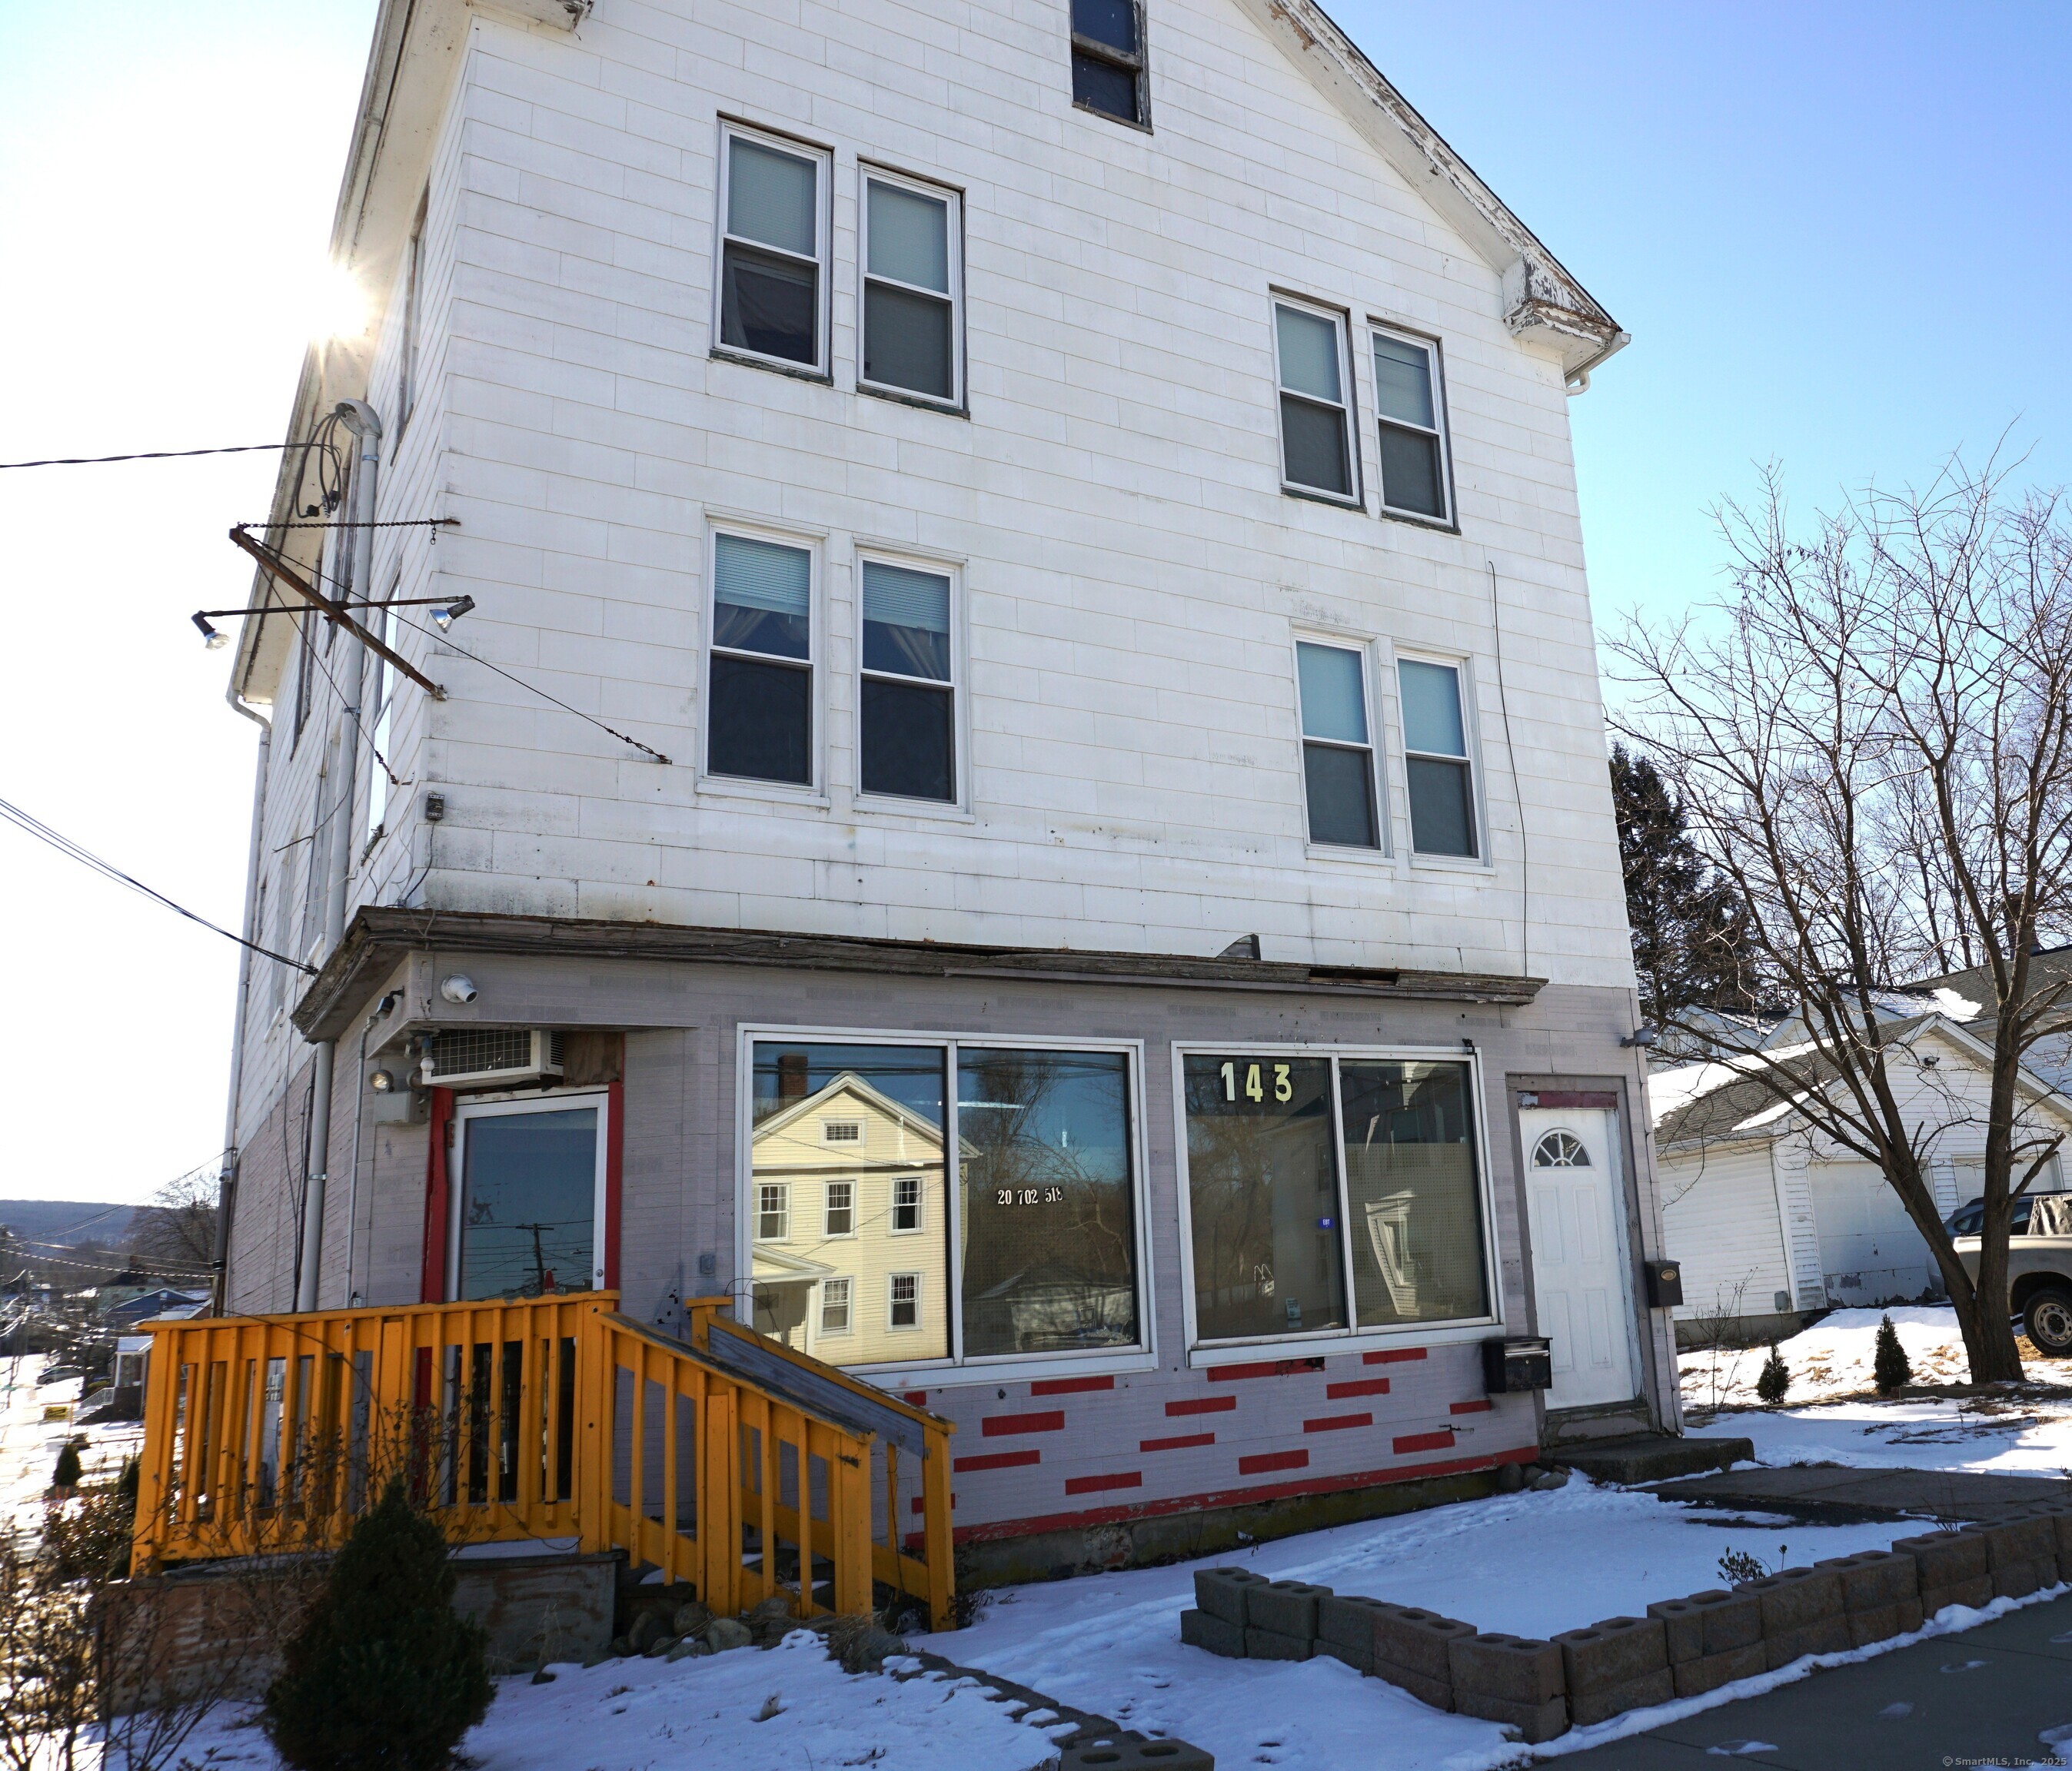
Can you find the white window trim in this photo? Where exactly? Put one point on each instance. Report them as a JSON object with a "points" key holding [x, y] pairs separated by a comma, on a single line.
{"points": [[821, 1331], [827, 1209], [822, 368], [958, 804], [468, 1109], [757, 1214], [813, 791], [1372, 662], [1338, 1342], [860, 1141], [409, 365], [1463, 668], [913, 1327], [1436, 354], [920, 1225], [954, 227], [1348, 386], [943, 1373]]}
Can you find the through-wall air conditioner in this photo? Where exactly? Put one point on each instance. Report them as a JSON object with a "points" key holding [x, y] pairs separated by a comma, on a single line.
{"points": [[492, 1057]]}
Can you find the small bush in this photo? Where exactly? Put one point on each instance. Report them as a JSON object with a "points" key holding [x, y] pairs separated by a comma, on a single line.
{"points": [[67, 1473], [383, 1676], [1890, 1368], [1737, 1566], [1774, 1380]]}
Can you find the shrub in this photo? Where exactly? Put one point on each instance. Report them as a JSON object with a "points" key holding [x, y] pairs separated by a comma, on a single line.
{"points": [[1775, 1379], [1890, 1368], [383, 1676], [67, 1473]]}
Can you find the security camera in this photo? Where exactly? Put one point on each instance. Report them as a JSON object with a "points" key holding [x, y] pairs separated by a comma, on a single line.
{"points": [[459, 987]]}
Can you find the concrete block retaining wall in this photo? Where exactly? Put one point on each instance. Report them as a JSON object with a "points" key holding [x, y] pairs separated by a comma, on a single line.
{"points": [[1681, 1648]]}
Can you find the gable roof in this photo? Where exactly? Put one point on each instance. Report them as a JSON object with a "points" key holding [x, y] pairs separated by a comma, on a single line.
{"points": [[1544, 304]]}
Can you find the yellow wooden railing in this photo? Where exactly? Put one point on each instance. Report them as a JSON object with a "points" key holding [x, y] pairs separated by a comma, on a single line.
{"points": [[731, 1462]]}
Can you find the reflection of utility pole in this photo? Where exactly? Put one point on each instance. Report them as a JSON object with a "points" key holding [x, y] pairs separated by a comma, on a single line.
{"points": [[539, 1258]]}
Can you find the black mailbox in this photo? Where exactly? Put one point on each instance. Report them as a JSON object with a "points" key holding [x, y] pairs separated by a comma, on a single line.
{"points": [[1665, 1284], [1510, 1366]]}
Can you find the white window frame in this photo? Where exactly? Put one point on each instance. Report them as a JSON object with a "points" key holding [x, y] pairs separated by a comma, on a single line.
{"points": [[1372, 661], [468, 1108], [994, 1368], [953, 223], [821, 1331], [891, 1301], [862, 1127], [782, 1190], [960, 730], [1479, 862], [823, 159], [920, 1223], [1351, 1339], [1348, 388], [827, 1209], [1449, 519], [380, 729], [813, 790], [413, 302]]}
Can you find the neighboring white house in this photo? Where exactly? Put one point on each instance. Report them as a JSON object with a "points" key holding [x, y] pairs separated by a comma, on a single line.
{"points": [[1027, 590], [1771, 1220]]}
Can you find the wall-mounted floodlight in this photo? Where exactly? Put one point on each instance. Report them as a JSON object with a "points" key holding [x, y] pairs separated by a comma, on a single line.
{"points": [[444, 619], [211, 637], [1641, 1036]]}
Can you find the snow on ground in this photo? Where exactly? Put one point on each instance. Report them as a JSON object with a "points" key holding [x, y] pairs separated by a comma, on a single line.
{"points": [[1530, 1564], [788, 1709], [1834, 1415], [29, 1443]]}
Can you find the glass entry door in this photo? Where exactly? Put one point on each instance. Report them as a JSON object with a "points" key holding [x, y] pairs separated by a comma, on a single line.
{"points": [[530, 1204]]}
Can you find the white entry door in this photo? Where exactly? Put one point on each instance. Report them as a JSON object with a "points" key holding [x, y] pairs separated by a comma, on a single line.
{"points": [[1577, 1212]]}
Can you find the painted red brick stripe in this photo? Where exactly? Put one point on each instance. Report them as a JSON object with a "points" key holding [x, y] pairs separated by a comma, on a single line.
{"points": [[1482, 1407], [1334, 1423], [1096, 1485], [1358, 1386], [920, 1506], [1050, 1420], [1070, 1387], [919, 1398], [1394, 1355], [1264, 1460], [1178, 1442], [995, 1460], [1265, 1368], [1440, 1440], [1202, 1405]]}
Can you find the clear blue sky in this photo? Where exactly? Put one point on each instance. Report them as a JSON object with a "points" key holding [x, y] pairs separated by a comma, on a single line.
{"points": [[1837, 232]]}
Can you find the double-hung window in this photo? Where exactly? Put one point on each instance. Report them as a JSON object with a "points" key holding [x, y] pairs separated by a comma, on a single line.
{"points": [[773, 1212], [1440, 776], [382, 729], [910, 292], [760, 714], [836, 1295], [773, 251], [1408, 395], [414, 280], [1338, 744], [1316, 401], [907, 716], [841, 1209], [1108, 60]]}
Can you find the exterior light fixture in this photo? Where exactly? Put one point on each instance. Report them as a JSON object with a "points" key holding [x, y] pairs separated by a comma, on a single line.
{"points": [[1641, 1036], [381, 1082], [211, 637], [444, 619]]}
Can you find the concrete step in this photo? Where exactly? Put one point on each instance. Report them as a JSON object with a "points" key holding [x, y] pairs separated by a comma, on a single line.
{"points": [[1646, 1457]]}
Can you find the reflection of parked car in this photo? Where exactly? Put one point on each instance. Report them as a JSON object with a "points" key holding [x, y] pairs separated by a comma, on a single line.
{"points": [[2039, 1265], [57, 1374], [1967, 1219]]}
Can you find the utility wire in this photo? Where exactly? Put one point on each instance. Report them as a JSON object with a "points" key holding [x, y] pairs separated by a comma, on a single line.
{"points": [[153, 455], [87, 858]]}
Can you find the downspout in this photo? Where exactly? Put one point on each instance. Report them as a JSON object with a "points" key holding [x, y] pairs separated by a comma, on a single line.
{"points": [[226, 1197], [358, 417]]}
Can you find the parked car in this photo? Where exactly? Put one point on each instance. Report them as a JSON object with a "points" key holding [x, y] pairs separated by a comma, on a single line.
{"points": [[1966, 1220], [57, 1374], [2039, 1266]]}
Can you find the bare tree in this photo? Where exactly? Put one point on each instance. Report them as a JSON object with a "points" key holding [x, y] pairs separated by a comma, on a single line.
{"points": [[175, 1233], [1872, 736]]}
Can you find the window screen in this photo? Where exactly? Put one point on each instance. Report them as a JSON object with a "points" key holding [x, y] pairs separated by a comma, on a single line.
{"points": [[1337, 753], [1439, 776], [907, 715], [1314, 428], [760, 720], [909, 306], [771, 264], [1413, 467]]}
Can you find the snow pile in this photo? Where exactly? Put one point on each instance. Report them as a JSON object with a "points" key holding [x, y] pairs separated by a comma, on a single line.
{"points": [[1832, 1358], [1991, 1434], [29, 1444], [1530, 1563], [782, 1710]]}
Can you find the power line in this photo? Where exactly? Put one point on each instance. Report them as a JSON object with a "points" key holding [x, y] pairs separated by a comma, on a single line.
{"points": [[153, 454], [87, 858]]}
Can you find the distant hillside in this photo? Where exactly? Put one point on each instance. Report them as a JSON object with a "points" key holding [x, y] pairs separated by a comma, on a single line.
{"points": [[67, 1220]]}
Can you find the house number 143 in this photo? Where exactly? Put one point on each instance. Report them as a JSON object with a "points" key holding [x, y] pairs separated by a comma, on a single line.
{"points": [[1284, 1090]]}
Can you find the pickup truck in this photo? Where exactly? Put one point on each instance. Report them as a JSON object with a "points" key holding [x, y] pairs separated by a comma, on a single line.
{"points": [[2039, 1265]]}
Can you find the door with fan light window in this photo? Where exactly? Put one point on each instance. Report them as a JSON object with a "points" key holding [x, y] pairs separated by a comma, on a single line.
{"points": [[1576, 1210]]}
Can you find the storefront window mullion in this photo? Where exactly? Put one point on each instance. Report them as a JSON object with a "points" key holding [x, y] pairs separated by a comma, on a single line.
{"points": [[1345, 1193]]}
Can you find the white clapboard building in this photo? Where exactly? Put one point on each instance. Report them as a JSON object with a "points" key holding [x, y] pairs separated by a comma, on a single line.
{"points": [[986, 739]]}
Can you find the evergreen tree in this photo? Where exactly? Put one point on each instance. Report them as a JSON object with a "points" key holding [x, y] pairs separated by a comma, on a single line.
{"points": [[1890, 1368], [1775, 1379], [67, 1475], [383, 1676], [1691, 943]]}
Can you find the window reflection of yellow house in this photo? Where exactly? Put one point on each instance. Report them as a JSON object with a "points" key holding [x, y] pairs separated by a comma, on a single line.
{"points": [[846, 1211]]}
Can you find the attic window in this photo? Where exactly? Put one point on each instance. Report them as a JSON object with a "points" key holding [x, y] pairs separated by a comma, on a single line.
{"points": [[1108, 60], [842, 1131]]}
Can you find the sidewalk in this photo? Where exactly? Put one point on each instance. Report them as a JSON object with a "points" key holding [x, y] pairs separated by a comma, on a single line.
{"points": [[1817, 1492], [1999, 1695]]}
